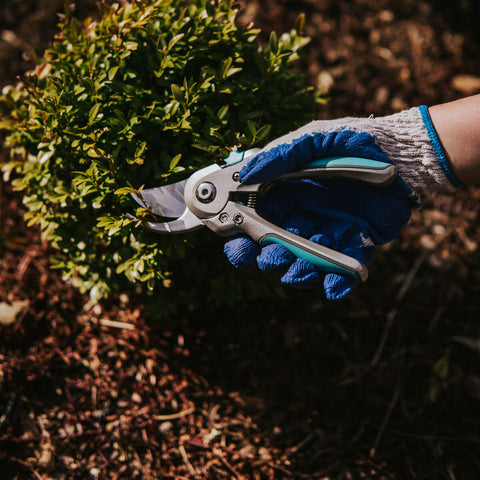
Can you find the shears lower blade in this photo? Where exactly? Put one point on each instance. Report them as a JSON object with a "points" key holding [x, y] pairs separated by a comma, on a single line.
{"points": [[187, 222]]}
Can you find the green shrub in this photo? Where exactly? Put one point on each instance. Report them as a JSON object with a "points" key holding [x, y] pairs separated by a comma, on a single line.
{"points": [[143, 97]]}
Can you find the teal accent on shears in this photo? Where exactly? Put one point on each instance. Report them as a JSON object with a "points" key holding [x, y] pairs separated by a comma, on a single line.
{"points": [[320, 263], [346, 162], [234, 157]]}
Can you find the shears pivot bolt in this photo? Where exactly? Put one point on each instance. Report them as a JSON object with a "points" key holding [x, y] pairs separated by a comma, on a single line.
{"points": [[238, 218], [206, 192]]}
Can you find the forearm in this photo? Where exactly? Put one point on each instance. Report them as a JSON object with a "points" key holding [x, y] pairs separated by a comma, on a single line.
{"points": [[458, 127]]}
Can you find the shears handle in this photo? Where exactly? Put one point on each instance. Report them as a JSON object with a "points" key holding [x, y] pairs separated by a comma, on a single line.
{"points": [[356, 168], [265, 233]]}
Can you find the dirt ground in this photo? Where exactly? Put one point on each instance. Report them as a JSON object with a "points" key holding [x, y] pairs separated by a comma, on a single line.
{"points": [[382, 385]]}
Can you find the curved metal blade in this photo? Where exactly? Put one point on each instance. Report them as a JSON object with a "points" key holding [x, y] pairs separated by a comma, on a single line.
{"points": [[186, 223], [166, 201]]}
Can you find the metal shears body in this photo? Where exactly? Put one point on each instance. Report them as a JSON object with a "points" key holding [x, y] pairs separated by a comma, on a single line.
{"points": [[214, 197]]}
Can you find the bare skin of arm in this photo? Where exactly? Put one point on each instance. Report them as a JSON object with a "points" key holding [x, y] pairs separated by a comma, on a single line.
{"points": [[458, 127]]}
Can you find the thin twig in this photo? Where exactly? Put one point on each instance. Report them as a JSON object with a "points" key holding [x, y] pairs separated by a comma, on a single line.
{"points": [[187, 462], [393, 313], [386, 332], [300, 445], [145, 471], [227, 465], [115, 324], [174, 416], [409, 465], [386, 418], [440, 311]]}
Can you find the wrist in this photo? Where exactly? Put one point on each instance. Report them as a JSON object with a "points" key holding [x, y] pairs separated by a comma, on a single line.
{"points": [[457, 126]]}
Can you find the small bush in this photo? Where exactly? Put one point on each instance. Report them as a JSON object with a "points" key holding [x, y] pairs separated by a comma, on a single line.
{"points": [[143, 97]]}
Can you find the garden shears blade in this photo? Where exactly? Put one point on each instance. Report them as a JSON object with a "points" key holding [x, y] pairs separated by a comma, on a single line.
{"points": [[167, 201], [214, 197]]}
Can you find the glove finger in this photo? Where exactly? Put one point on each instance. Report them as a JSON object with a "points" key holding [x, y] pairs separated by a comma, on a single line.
{"points": [[274, 162], [338, 286], [276, 257], [301, 274], [241, 251], [360, 247]]}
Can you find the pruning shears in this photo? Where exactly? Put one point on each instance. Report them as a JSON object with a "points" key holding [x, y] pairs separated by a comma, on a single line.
{"points": [[214, 197]]}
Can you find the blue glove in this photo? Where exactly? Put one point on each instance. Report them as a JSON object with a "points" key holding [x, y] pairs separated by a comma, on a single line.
{"points": [[348, 216]]}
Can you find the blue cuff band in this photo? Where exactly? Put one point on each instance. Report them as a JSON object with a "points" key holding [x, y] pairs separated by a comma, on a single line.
{"points": [[437, 146]]}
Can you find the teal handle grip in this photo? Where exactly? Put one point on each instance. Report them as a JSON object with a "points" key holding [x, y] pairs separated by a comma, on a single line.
{"points": [[357, 168], [237, 217], [320, 262], [325, 259], [348, 162]]}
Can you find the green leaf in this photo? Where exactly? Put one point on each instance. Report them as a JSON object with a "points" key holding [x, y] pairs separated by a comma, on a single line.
{"points": [[174, 40], [226, 67], [177, 93], [95, 153], [262, 133], [112, 72], [222, 112], [125, 190], [273, 42], [300, 23], [233, 71], [130, 45], [175, 161], [261, 62], [252, 128], [93, 113], [140, 149]]}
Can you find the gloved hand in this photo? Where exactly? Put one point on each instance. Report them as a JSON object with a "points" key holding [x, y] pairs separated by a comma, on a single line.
{"points": [[348, 216]]}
